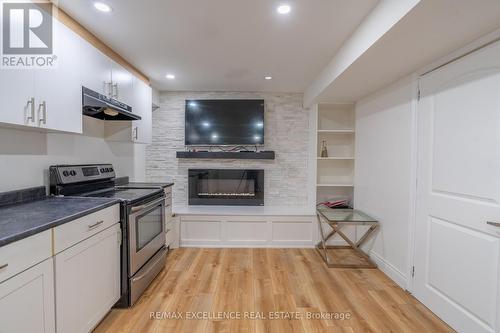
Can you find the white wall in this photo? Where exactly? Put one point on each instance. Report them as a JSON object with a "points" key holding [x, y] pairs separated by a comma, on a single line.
{"points": [[384, 171], [25, 155]]}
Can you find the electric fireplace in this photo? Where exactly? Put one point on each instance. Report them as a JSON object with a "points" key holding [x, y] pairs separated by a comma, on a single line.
{"points": [[226, 187]]}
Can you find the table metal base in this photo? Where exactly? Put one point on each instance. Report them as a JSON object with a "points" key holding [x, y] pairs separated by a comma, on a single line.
{"points": [[322, 246]]}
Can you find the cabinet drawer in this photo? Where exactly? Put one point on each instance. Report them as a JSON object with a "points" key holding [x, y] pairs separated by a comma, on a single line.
{"points": [[23, 254], [69, 234]]}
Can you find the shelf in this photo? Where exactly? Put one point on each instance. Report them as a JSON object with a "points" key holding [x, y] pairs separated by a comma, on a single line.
{"points": [[334, 158], [263, 155], [334, 185], [336, 131]]}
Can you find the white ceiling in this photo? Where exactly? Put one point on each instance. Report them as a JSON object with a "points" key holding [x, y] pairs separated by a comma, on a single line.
{"points": [[430, 31], [224, 45]]}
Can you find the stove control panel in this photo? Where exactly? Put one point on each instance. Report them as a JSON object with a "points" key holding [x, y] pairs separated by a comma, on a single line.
{"points": [[68, 174]]}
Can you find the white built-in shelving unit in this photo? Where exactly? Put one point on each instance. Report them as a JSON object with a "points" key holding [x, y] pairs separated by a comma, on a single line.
{"points": [[335, 173]]}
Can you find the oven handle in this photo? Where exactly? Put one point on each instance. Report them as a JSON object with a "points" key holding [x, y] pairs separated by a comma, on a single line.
{"points": [[153, 265], [136, 209]]}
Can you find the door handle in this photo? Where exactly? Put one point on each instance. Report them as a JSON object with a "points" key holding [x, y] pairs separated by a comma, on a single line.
{"points": [[42, 107], [31, 102], [495, 224]]}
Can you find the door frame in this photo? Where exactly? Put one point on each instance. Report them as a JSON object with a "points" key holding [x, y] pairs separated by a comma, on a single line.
{"points": [[470, 48]]}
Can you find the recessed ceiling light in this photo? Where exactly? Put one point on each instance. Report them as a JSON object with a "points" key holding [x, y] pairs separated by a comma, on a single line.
{"points": [[268, 77], [101, 6], [283, 9], [170, 76]]}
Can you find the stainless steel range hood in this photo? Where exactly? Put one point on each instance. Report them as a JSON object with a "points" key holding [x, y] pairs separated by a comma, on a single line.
{"points": [[102, 107]]}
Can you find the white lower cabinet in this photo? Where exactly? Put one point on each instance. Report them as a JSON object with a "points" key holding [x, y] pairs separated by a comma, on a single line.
{"points": [[87, 279], [27, 300]]}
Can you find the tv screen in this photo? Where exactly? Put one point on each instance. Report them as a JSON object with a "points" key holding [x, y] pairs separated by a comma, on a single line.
{"points": [[224, 122]]}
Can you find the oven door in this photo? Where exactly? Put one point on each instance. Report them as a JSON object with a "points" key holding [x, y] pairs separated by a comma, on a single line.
{"points": [[146, 229]]}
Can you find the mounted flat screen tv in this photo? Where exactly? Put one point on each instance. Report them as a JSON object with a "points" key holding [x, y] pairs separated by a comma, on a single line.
{"points": [[224, 122]]}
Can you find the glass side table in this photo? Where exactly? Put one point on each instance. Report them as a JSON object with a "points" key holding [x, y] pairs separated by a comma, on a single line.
{"points": [[336, 219]]}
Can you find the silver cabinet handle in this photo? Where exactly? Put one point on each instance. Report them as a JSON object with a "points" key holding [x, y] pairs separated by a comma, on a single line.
{"points": [[42, 119], [135, 133], [495, 224], [31, 102], [115, 91], [108, 91], [4, 266], [95, 225]]}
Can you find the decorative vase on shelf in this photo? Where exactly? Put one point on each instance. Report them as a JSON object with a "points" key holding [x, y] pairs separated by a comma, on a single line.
{"points": [[324, 151]]}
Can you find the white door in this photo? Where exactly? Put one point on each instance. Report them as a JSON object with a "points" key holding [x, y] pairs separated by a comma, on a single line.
{"points": [[87, 281], [59, 90], [457, 252], [27, 301]]}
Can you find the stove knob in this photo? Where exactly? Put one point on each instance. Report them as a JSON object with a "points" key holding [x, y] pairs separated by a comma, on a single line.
{"points": [[72, 172], [65, 173]]}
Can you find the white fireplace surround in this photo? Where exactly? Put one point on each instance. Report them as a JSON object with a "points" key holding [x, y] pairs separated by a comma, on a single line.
{"points": [[287, 217]]}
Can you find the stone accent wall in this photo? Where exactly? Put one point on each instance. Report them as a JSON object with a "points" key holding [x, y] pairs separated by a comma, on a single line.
{"points": [[286, 132]]}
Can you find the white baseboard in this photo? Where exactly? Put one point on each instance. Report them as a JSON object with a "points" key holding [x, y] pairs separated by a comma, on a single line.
{"points": [[272, 246], [392, 272]]}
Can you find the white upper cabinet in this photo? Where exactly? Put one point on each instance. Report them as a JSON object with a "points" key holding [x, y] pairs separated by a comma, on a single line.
{"points": [[51, 99], [122, 84], [17, 93], [58, 91], [46, 98], [95, 69], [137, 131], [141, 129]]}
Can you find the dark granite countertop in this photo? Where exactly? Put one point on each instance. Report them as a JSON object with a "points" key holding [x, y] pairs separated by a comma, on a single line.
{"points": [[22, 220]]}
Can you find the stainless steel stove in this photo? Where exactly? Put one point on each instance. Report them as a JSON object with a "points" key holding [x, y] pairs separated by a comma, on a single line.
{"points": [[142, 221]]}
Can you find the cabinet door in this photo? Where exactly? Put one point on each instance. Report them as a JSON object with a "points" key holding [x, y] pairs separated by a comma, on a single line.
{"points": [[16, 91], [123, 84], [87, 281], [137, 131], [143, 106], [95, 69], [27, 300], [59, 90]]}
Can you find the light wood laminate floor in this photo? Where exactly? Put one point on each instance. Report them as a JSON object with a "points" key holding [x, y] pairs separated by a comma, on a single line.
{"points": [[256, 283]]}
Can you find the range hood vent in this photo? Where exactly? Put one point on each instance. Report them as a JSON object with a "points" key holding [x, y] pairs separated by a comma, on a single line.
{"points": [[102, 107]]}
